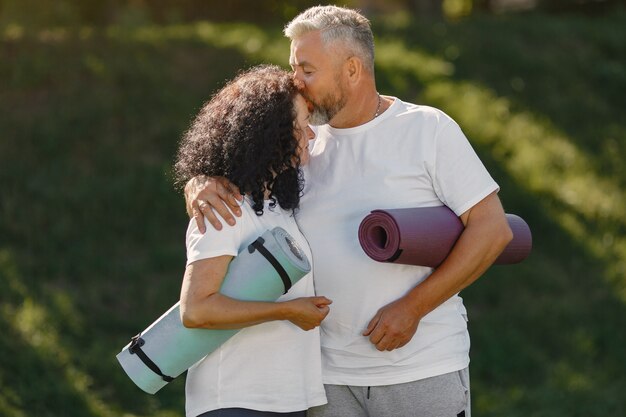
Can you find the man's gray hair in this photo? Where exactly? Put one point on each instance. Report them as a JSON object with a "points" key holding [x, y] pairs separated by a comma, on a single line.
{"points": [[337, 24]]}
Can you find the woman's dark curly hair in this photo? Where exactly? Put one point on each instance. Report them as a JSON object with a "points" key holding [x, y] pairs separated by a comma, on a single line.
{"points": [[246, 133]]}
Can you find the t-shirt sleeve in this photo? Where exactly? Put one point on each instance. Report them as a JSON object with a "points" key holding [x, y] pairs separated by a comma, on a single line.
{"points": [[213, 242], [461, 180]]}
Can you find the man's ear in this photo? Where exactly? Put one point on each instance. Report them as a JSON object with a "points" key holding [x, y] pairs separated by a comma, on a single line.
{"points": [[354, 69]]}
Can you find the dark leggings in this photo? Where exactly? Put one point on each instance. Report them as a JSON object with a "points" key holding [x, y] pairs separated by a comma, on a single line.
{"points": [[244, 412]]}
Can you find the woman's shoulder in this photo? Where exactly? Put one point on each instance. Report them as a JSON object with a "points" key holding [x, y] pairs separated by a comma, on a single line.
{"points": [[233, 234]]}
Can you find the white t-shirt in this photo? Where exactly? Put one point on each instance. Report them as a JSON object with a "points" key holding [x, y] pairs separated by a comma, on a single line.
{"points": [[273, 366], [410, 156]]}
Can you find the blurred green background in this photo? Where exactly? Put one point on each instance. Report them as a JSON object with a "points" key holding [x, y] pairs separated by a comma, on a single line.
{"points": [[94, 97]]}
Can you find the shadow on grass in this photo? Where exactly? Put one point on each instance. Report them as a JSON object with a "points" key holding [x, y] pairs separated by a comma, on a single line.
{"points": [[92, 231], [88, 215], [546, 333]]}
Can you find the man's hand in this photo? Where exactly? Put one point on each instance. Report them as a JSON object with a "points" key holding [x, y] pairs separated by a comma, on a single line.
{"points": [[393, 326], [486, 234], [205, 194]]}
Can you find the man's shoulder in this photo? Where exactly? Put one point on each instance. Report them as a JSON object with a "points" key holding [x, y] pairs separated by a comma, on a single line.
{"points": [[422, 111]]}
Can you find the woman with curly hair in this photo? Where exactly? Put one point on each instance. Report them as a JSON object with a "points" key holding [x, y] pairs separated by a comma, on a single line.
{"points": [[255, 133]]}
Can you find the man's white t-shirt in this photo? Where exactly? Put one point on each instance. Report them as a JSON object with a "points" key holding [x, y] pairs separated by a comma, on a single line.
{"points": [[273, 366], [410, 156]]}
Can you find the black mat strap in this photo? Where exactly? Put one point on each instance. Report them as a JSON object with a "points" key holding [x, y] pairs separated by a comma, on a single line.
{"points": [[135, 349], [258, 245]]}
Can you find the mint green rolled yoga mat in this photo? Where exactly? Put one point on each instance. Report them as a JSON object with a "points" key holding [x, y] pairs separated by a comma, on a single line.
{"points": [[264, 271]]}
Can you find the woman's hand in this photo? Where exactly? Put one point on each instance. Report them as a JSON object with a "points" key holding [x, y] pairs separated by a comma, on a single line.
{"points": [[205, 194], [307, 312], [203, 306]]}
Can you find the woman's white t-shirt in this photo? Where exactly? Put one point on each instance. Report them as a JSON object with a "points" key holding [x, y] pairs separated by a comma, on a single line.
{"points": [[273, 366]]}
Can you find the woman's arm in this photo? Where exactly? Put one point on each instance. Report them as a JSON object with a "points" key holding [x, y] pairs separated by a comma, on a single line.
{"points": [[203, 306]]}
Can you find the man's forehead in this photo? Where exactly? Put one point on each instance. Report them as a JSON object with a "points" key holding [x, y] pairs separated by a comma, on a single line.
{"points": [[298, 59], [306, 48]]}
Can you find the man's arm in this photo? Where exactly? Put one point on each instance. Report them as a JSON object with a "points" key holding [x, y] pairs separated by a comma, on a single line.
{"points": [[486, 234], [205, 194]]}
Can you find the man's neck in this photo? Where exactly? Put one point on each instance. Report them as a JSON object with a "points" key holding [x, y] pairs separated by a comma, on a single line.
{"points": [[359, 111]]}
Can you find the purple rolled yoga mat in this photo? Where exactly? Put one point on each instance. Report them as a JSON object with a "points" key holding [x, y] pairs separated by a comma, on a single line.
{"points": [[425, 236]]}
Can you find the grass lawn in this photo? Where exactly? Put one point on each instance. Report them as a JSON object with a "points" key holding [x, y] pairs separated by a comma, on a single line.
{"points": [[92, 230]]}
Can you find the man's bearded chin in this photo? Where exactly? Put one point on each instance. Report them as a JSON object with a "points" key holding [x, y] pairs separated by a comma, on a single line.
{"points": [[319, 116], [322, 113]]}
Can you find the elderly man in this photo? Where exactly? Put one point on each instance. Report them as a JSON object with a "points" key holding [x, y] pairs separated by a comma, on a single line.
{"points": [[395, 342]]}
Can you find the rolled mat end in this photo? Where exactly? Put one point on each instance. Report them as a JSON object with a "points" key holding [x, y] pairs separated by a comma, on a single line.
{"points": [[425, 236], [520, 246], [263, 271]]}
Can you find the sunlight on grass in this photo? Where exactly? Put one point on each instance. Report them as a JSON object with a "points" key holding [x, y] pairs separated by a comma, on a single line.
{"points": [[10, 286], [249, 40], [564, 376], [13, 32], [546, 163], [455, 9], [392, 55], [8, 397], [37, 329], [31, 321], [534, 150], [95, 65], [492, 401], [541, 159], [566, 183]]}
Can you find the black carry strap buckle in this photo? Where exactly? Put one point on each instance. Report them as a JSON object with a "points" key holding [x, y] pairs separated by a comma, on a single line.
{"points": [[258, 245], [136, 342]]}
